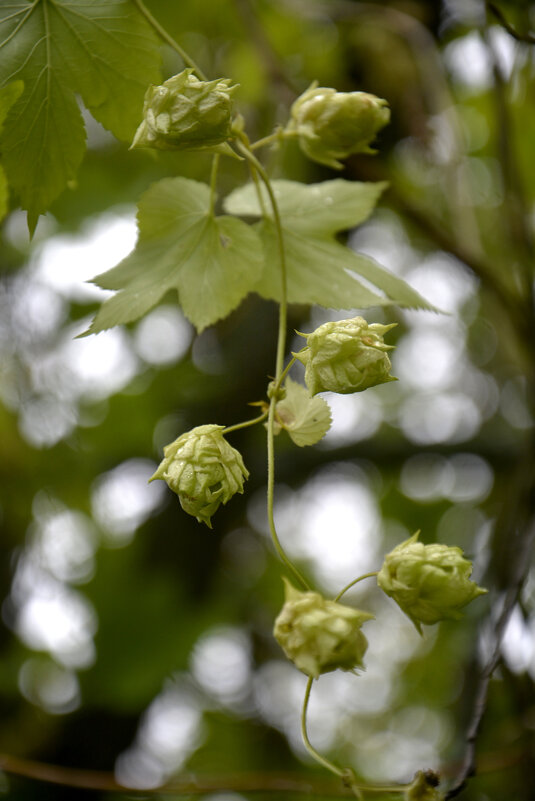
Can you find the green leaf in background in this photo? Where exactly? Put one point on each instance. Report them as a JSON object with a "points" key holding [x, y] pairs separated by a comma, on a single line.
{"points": [[320, 269], [306, 419], [212, 262], [8, 95], [103, 51]]}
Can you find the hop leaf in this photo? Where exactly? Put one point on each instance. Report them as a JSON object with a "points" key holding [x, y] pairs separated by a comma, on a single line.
{"points": [[186, 114], [306, 419], [346, 356], [333, 125], [203, 470], [428, 582], [318, 635]]}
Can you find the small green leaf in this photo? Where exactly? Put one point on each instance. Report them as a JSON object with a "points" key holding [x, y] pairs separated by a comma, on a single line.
{"points": [[212, 262], [104, 51], [320, 269], [306, 419]]}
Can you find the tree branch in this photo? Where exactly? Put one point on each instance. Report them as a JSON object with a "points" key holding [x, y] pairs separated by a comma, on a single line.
{"points": [[295, 784], [529, 38], [521, 547]]}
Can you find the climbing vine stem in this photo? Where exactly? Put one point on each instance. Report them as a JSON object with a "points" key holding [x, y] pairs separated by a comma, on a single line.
{"points": [[310, 748], [244, 148]]}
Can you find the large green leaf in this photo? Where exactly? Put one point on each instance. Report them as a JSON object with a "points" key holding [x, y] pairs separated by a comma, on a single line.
{"points": [[319, 268], [212, 262], [8, 95], [103, 51]]}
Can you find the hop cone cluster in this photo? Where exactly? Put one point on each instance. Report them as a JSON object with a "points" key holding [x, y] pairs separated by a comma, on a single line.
{"points": [[428, 582], [186, 114], [333, 125], [203, 470], [318, 635], [346, 356]]}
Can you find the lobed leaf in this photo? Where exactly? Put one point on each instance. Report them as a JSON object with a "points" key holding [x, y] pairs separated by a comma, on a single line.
{"points": [[212, 262], [8, 96], [319, 268], [104, 51]]}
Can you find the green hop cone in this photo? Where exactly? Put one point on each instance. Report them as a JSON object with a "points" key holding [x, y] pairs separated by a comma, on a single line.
{"points": [[333, 125], [319, 636], [424, 787], [186, 114], [203, 470], [428, 582], [346, 356]]}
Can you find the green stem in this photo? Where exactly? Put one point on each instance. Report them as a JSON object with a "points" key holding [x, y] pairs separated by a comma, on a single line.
{"points": [[283, 307], [270, 499], [310, 748], [346, 774], [355, 581], [213, 182], [247, 423], [286, 371], [258, 189], [162, 33], [244, 148], [267, 140]]}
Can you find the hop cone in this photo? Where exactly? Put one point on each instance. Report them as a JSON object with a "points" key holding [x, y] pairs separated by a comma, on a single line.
{"points": [[333, 125], [346, 356], [186, 114], [203, 470], [319, 636], [428, 582]]}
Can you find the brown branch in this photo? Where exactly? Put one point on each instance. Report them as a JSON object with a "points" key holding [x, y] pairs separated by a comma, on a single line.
{"points": [[515, 206], [529, 38], [288, 783], [521, 547]]}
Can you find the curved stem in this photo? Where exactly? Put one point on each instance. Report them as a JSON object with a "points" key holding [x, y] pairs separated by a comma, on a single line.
{"points": [[246, 424], [270, 499], [346, 774], [281, 342], [244, 148], [352, 583], [310, 748], [168, 39], [286, 371], [276, 136]]}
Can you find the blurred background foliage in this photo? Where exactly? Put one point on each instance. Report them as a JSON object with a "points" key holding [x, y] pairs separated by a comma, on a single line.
{"points": [[137, 641]]}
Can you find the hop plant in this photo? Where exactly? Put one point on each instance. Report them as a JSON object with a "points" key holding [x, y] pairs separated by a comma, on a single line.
{"points": [[333, 125], [186, 114], [424, 787], [428, 582], [203, 470], [346, 356], [318, 635]]}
